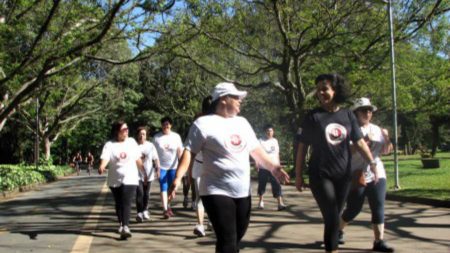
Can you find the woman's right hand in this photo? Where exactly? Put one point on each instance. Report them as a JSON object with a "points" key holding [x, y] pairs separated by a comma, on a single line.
{"points": [[173, 188], [101, 170]]}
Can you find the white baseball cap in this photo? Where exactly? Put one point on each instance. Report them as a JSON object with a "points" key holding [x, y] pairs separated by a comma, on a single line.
{"points": [[362, 102], [223, 89]]}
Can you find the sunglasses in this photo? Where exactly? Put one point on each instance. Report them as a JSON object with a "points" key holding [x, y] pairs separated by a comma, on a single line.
{"points": [[124, 129]]}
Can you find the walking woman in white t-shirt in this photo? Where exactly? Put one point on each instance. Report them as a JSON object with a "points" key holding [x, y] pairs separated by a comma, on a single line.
{"points": [[378, 141], [226, 142], [123, 158]]}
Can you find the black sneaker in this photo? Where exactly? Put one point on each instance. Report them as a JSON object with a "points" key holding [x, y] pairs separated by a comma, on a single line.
{"points": [[341, 237], [381, 246]]}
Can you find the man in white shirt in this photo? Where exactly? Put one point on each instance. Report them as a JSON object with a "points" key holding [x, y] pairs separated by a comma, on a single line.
{"points": [[169, 146]]}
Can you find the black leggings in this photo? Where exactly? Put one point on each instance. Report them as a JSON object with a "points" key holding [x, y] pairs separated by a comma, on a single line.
{"points": [[230, 218], [375, 193], [123, 195], [263, 177], [330, 195], [142, 196]]}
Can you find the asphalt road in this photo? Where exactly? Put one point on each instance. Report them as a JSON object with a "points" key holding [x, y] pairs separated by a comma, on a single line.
{"points": [[76, 214]]}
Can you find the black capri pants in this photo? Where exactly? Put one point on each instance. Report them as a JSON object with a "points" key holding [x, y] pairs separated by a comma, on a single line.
{"points": [[330, 195], [142, 196], [376, 194], [263, 177], [123, 196], [230, 218]]}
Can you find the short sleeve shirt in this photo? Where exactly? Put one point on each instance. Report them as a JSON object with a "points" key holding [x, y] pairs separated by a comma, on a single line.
{"points": [[226, 144], [149, 154], [271, 147], [122, 156], [167, 146], [376, 142], [329, 134]]}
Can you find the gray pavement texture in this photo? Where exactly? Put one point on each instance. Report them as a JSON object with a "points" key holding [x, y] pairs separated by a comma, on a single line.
{"points": [[76, 214]]}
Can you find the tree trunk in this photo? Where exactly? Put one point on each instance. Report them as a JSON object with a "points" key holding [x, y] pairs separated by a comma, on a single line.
{"points": [[47, 146]]}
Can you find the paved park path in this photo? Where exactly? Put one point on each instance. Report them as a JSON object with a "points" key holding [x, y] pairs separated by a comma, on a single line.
{"points": [[76, 214]]}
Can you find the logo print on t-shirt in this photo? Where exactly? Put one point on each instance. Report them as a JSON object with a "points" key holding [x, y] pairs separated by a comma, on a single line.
{"points": [[166, 146], [122, 155], [335, 133], [235, 143]]}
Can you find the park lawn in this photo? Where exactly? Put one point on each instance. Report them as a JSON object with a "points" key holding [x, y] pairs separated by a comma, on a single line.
{"points": [[415, 181]]}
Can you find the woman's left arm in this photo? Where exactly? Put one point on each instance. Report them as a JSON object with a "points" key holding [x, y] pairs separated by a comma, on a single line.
{"points": [[266, 162], [387, 145], [364, 150]]}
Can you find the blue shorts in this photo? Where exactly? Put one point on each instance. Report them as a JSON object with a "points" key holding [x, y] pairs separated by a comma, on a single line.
{"points": [[166, 178]]}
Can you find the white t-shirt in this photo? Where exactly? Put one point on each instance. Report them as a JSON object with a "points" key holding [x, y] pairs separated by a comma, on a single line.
{"points": [[167, 146], [197, 166], [122, 156], [149, 154], [226, 144], [377, 141], [271, 147]]}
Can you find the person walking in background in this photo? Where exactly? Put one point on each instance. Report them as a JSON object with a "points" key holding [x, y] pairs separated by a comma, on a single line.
{"points": [[270, 145], [78, 160], [378, 141], [195, 172], [329, 130], [122, 156], [89, 162], [168, 145], [226, 141], [150, 160]]}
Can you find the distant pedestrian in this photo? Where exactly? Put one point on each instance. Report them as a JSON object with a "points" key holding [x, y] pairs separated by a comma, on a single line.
{"points": [[378, 141], [270, 145], [89, 162], [122, 156], [168, 145], [150, 159], [329, 130], [78, 160], [226, 141]]}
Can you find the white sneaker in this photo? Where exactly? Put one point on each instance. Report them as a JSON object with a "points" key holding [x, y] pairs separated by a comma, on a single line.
{"points": [[126, 233], [199, 230], [119, 231], [261, 205], [146, 215], [140, 217]]}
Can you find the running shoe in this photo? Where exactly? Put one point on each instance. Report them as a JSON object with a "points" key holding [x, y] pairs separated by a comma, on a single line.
{"points": [[119, 231], [126, 233], [199, 230], [281, 207], [261, 205], [341, 237], [381, 246], [170, 212], [146, 215], [140, 217], [166, 214]]}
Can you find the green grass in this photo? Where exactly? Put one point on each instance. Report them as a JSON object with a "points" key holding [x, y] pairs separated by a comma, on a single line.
{"points": [[415, 181]]}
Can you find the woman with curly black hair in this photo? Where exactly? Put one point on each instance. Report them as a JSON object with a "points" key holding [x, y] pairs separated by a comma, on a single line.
{"points": [[329, 129]]}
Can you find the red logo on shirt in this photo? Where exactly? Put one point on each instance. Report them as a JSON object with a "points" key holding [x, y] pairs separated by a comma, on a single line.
{"points": [[123, 155], [335, 133], [235, 143], [236, 140]]}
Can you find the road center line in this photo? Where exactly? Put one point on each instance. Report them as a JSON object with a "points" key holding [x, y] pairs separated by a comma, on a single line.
{"points": [[83, 242]]}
